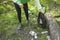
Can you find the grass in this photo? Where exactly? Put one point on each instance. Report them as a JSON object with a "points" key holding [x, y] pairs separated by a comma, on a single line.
{"points": [[9, 24]]}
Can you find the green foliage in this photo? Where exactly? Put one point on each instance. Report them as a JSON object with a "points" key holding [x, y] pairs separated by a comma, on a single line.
{"points": [[57, 1], [8, 17]]}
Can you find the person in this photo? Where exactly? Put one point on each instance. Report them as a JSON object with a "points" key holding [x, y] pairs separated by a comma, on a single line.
{"points": [[41, 17], [39, 6], [21, 4]]}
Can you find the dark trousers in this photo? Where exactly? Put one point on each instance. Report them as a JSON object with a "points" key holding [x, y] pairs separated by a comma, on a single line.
{"points": [[18, 9]]}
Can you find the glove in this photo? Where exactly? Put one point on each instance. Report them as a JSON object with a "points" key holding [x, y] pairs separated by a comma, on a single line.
{"points": [[42, 9]]}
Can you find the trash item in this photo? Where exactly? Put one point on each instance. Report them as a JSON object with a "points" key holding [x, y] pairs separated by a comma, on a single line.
{"points": [[44, 32]]}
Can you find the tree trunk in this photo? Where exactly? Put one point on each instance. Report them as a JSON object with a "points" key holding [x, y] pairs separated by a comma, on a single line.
{"points": [[53, 27]]}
